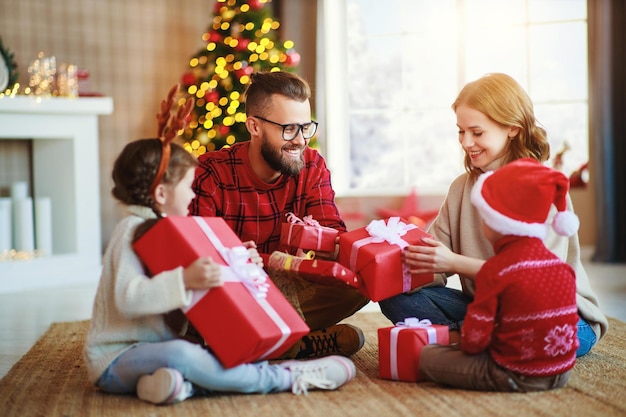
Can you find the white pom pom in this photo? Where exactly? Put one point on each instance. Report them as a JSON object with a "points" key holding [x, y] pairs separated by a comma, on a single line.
{"points": [[565, 223]]}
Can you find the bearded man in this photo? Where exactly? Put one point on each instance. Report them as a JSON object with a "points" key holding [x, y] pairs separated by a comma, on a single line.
{"points": [[252, 185]]}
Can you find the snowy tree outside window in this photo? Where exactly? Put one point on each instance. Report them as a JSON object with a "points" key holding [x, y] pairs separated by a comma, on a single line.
{"points": [[392, 69]]}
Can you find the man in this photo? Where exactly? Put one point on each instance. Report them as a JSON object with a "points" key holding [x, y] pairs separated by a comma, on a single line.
{"points": [[254, 184]]}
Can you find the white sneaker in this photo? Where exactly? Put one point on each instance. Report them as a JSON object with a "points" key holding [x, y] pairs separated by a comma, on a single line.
{"points": [[164, 386], [327, 373]]}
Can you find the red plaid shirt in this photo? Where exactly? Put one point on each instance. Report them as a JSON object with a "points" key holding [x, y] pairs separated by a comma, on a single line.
{"points": [[226, 186]]}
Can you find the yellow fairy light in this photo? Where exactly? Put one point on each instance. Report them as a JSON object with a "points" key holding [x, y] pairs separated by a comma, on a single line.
{"points": [[208, 124], [195, 144], [204, 85], [200, 93], [264, 42], [274, 59], [253, 58], [288, 44], [240, 117], [252, 46], [270, 45], [228, 15], [209, 106], [224, 25], [216, 112], [230, 139], [224, 74], [245, 8], [211, 133], [193, 62], [223, 101], [260, 49], [275, 25], [228, 121], [192, 89], [235, 95], [263, 56], [237, 65], [213, 84], [244, 79], [221, 61], [232, 2], [201, 150], [249, 26], [211, 46], [275, 69]]}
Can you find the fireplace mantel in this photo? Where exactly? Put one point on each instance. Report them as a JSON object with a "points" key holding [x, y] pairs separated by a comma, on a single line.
{"points": [[65, 168]]}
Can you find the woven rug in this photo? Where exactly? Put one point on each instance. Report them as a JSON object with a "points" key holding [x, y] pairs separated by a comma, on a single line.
{"points": [[50, 380]]}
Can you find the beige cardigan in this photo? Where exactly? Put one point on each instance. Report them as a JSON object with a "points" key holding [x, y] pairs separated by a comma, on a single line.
{"points": [[458, 226]]}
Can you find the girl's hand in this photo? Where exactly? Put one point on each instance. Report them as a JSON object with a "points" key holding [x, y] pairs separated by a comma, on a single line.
{"points": [[432, 258], [253, 253], [202, 274]]}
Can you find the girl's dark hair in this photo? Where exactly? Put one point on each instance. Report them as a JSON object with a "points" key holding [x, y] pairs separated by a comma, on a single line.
{"points": [[265, 84], [137, 164]]}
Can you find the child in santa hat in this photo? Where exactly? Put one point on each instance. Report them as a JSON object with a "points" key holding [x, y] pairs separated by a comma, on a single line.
{"points": [[519, 332]]}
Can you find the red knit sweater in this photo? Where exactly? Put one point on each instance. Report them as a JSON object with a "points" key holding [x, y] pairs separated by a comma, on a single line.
{"points": [[226, 186], [524, 310]]}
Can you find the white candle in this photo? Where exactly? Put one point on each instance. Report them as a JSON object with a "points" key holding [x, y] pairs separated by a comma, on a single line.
{"points": [[43, 225], [23, 228], [19, 190], [6, 224]]}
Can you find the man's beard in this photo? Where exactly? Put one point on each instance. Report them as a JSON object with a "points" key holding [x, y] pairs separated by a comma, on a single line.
{"points": [[276, 160]]}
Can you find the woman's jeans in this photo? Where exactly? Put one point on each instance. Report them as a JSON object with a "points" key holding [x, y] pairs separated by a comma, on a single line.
{"points": [[447, 306], [196, 364]]}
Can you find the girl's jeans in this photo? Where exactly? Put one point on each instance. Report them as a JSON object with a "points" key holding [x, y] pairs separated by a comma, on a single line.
{"points": [[196, 364], [444, 305]]}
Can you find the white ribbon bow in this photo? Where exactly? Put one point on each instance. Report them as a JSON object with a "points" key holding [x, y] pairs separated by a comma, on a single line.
{"points": [[248, 273], [391, 232]]}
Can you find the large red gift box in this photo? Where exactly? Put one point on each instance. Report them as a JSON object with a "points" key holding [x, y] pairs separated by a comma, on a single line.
{"points": [[307, 234], [399, 347], [317, 271], [248, 318], [374, 252]]}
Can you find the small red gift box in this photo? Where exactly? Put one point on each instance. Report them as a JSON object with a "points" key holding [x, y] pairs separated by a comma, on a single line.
{"points": [[399, 347], [374, 252], [317, 271], [307, 234], [248, 318]]}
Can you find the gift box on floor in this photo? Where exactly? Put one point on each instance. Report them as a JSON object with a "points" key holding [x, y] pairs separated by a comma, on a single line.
{"points": [[307, 234], [399, 347], [374, 252], [248, 318], [317, 271]]}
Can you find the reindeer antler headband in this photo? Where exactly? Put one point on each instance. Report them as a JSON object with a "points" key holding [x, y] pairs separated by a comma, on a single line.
{"points": [[168, 129]]}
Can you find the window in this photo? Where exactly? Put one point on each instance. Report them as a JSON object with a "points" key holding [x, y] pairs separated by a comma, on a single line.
{"points": [[392, 69]]}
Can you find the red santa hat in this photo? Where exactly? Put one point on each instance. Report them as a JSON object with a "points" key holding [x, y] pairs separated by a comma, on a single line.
{"points": [[516, 199]]}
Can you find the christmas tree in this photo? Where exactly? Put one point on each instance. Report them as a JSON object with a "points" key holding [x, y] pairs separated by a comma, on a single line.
{"points": [[241, 39]]}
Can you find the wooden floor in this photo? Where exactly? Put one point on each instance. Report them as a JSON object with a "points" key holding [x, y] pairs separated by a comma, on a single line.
{"points": [[25, 316]]}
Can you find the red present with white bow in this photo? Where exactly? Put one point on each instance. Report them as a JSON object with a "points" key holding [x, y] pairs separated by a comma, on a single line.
{"points": [[374, 252], [307, 234], [399, 347], [317, 271], [247, 319]]}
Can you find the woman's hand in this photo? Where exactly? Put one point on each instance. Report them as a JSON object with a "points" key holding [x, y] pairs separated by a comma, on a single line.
{"points": [[433, 257], [202, 274]]}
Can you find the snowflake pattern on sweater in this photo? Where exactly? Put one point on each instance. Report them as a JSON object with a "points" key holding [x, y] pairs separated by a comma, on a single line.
{"points": [[524, 310]]}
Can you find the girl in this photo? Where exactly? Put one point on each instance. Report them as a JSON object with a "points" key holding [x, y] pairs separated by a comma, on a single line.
{"points": [[129, 347], [497, 125]]}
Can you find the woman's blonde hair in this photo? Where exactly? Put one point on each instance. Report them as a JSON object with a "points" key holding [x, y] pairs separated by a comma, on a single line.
{"points": [[503, 100]]}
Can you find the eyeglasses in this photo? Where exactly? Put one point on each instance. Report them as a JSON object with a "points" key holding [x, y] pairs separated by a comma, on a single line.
{"points": [[291, 130]]}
